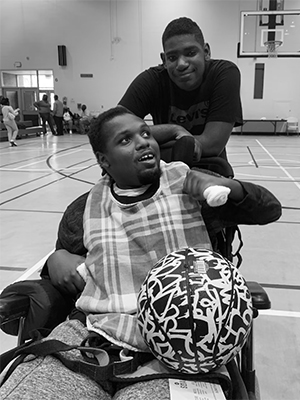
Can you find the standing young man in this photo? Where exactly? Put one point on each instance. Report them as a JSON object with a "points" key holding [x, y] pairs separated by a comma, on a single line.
{"points": [[190, 94]]}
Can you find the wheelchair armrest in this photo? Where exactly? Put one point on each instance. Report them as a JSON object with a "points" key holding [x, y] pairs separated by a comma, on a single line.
{"points": [[260, 298], [37, 300], [13, 307]]}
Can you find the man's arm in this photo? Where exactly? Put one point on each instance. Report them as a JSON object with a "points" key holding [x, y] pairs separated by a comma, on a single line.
{"points": [[61, 266], [165, 133], [209, 144], [247, 203], [214, 138], [196, 182]]}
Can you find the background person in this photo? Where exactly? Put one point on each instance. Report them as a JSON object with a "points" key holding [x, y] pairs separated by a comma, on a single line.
{"points": [[9, 115], [68, 119], [58, 111], [85, 119], [189, 94], [44, 109]]}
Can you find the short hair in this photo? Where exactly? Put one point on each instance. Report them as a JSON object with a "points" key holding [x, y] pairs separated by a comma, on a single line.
{"points": [[45, 97], [96, 134], [5, 101], [55, 97], [182, 26]]}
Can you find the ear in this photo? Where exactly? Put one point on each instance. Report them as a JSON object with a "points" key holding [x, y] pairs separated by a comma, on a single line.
{"points": [[163, 59], [102, 160], [207, 52]]}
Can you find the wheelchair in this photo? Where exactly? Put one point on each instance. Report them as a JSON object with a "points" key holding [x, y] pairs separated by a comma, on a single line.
{"points": [[29, 305]]}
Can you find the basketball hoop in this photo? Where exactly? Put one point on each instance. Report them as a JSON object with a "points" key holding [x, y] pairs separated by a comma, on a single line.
{"points": [[272, 46]]}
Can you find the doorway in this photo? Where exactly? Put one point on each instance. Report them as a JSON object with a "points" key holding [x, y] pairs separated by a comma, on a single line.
{"points": [[24, 99], [23, 88]]}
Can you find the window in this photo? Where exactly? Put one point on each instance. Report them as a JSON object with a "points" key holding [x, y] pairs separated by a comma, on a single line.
{"points": [[46, 80], [42, 79]]}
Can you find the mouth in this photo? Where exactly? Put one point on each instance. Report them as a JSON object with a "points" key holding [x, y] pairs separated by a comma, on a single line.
{"points": [[184, 77], [147, 158]]}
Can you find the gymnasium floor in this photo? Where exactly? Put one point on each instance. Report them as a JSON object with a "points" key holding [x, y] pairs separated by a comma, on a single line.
{"points": [[41, 176]]}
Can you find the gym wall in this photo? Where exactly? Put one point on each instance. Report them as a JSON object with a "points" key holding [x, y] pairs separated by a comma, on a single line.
{"points": [[115, 40]]}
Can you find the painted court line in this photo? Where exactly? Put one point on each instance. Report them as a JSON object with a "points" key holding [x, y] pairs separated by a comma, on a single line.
{"points": [[280, 313], [279, 165], [42, 161], [39, 169]]}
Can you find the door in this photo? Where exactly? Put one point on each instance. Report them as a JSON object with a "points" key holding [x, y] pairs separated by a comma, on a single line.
{"points": [[13, 96], [29, 112], [24, 99]]}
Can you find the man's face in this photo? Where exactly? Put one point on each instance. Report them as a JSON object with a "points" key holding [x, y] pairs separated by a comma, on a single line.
{"points": [[131, 155], [184, 58]]}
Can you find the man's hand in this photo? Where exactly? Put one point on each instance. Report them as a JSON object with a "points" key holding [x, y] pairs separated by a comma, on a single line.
{"points": [[196, 182], [181, 132], [63, 274]]}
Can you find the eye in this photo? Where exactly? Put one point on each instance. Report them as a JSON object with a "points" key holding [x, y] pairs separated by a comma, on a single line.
{"points": [[191, 53], [145, 134], [171, 58], [125, 140]]}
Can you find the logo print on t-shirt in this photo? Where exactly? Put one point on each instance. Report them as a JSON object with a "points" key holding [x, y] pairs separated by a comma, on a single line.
{"points": [[195, 115]]}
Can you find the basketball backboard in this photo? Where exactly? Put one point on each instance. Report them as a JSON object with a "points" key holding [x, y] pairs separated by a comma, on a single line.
{"points": [[280, 28]]}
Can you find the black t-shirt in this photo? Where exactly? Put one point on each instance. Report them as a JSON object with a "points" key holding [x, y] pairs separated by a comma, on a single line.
{"points": [[217, 98]]}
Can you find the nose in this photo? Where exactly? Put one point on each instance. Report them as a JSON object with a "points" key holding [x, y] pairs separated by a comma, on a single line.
{"points": [[182, 63], [141, 142]]}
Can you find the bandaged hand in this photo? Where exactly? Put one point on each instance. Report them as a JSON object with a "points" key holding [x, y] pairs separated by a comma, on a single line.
{"points": [[216, 195], [203, 186]]}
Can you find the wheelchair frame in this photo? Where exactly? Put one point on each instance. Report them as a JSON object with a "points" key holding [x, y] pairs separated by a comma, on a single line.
{"points": [[15, 306]]}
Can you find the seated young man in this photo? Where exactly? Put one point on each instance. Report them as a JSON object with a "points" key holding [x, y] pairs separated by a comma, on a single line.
{"points": [[139, 211]]}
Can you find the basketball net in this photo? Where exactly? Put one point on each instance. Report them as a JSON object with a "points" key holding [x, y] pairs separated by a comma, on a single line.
{"points": [[272, 46]]}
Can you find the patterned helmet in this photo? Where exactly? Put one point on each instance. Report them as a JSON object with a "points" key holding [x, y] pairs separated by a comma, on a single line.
{"points": [[194, 310]]}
